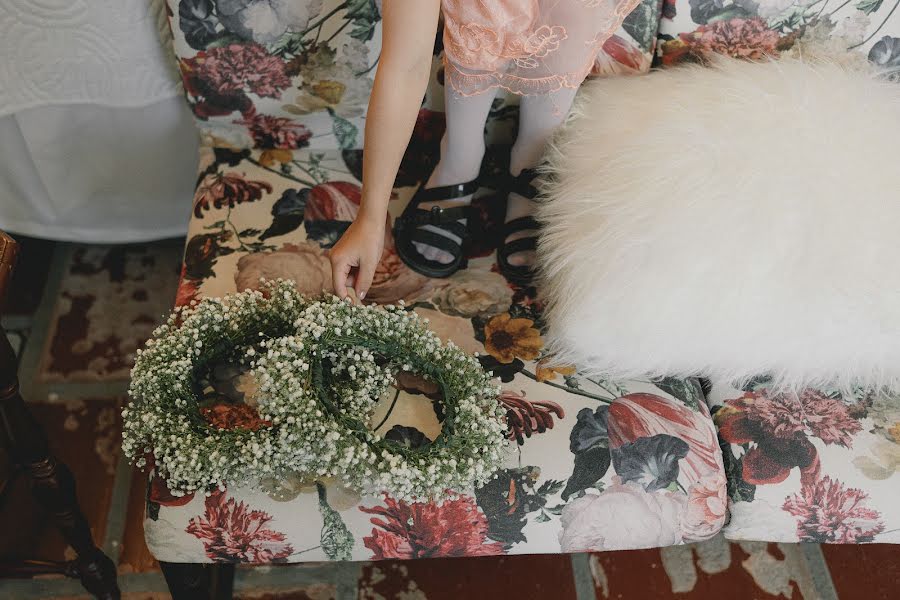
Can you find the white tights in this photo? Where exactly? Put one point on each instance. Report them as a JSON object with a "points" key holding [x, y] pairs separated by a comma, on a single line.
{"points": [[462, 150]]}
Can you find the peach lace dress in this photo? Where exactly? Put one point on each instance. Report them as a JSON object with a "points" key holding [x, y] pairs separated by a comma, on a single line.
{"points": [[526, 46]]}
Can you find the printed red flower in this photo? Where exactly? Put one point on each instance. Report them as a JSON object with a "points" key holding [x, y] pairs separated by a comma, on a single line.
{"points": [[423, 530], [275, 132], [233, 416], [739, 38], [333, 201], [237, 68], [780, 426], [160, 493], [229, 189], [831, 513], [231, 532], [524, 417], [188, 289]]}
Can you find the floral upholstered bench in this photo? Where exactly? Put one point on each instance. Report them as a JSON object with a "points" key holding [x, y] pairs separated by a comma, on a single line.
{"points": [[280, 91], [819, 466], [599, 464]]}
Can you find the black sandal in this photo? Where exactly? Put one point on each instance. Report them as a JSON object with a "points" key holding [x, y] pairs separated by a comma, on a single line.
{"points": [[408, 228], [521, 275]]}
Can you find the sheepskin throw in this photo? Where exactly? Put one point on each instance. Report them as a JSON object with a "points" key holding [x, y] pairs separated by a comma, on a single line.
{"points": [[731, 221]]}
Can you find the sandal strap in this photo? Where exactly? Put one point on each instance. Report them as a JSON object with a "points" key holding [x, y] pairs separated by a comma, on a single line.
{"points": [[521, 184], [516, 246], [436, 215], [445, 192], [436, 240], [520, 224]]}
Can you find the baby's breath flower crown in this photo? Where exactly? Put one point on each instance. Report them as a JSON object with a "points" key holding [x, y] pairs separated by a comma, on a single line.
{"points": [[320, 365]]}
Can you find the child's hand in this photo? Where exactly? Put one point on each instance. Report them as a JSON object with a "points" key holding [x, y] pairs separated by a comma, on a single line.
{"points": [[355, 257]]}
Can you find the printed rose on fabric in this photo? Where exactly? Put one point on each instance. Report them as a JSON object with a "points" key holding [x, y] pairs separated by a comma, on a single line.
{"points": [[275, 132], [427, 530], [641, 415], [305, 264], [506, 339], [623, 516], [229, 189], [738, 38], [232, 532], [524, 417], [780, 426], [829, 512], [706, 510], [473, 293], [264, 21]]}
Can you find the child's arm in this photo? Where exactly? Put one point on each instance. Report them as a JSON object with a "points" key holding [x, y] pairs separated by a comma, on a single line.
{"points": [[408, 30]]}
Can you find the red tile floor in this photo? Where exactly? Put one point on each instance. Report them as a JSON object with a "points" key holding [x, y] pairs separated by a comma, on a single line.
{"points": [[77, 314]]}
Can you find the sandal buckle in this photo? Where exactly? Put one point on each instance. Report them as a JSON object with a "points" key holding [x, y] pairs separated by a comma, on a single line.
{"points": [[437, 215]]}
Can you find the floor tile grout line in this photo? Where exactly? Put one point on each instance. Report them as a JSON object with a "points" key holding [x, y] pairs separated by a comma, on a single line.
{"points": [[819, 571], [581, 573], [38, 340], [117, 515]]}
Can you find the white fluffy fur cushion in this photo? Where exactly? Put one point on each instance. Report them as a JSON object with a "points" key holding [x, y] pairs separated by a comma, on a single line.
{"points": [[730, 221]]}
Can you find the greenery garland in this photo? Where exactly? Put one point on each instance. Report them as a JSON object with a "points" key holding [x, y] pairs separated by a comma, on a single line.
{"points": [[321, 366]]}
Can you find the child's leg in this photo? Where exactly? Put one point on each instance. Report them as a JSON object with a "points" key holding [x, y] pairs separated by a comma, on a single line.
{"points": [[462, 149], [539, 116]]}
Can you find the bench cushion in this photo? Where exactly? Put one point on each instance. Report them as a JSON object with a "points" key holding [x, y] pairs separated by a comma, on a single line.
{"points": [[818, 466], [612, 465]]}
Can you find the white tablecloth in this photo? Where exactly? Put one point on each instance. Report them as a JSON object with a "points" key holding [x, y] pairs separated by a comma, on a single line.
{"points": [[96, 143]]}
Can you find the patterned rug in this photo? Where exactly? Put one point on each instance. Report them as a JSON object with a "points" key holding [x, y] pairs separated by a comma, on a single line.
{"points": [[82, 311]]}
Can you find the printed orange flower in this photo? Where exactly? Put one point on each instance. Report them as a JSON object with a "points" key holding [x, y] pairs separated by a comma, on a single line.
{"points": [[268, 158], [506, 339], [545, 40], [548, 372]]}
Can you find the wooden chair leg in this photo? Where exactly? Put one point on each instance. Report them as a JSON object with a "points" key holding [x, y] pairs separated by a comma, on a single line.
{"points": [[51, 481], [199, 581]]}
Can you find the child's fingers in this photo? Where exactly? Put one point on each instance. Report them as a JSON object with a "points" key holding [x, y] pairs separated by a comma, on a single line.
{"points": [[364, 278], [340, 271]]}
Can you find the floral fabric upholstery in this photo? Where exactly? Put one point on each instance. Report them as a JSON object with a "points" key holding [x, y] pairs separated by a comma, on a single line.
{"points": [[816, 466], [293, 74], [601, 464], [865, 29]]}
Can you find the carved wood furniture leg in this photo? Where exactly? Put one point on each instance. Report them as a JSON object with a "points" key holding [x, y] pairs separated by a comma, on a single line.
{"points": [[52, 483], [196, 581]]}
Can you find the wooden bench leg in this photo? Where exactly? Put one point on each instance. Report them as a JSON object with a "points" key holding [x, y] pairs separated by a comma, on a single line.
{"points": [[53, 487], [199, 581]]}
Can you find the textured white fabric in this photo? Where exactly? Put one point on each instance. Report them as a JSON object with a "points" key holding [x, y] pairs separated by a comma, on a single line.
{"points": [[84, 51], [98, 174], [746, 224]]}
